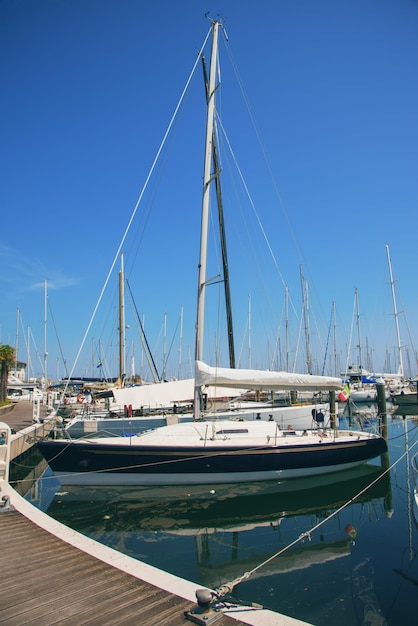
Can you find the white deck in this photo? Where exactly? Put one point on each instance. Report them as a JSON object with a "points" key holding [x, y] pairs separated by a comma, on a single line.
{"points": [[240, 434]]}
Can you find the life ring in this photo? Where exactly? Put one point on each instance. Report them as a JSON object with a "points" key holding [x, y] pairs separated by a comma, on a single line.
{"points": [[81, 398]]}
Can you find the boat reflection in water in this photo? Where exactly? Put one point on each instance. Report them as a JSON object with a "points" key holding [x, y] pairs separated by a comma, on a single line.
{"points": [[407, 411], [214, 534], [130, 518], [175, 508]]}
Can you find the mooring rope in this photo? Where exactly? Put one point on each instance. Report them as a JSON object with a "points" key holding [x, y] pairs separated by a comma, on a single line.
{"points": [[228, 587]]}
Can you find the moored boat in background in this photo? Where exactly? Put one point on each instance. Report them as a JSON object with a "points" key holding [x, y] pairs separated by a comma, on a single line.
{"points": [[140, 408], [408, 396]]}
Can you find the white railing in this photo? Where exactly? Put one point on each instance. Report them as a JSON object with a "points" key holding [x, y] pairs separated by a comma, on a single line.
{"points": [[5, 435]]}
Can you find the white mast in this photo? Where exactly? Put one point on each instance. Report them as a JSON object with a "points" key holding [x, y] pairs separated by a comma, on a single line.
{"points": [[360, 364], [180, 364], [122, 369], [335, 338], [28, 356], [305, 301], [17, 336], [141, 370], [395, 313], [92, 357], [287, 327], [207, 179], [132, 371], [45, 322], [249, 332], [164, 373]]}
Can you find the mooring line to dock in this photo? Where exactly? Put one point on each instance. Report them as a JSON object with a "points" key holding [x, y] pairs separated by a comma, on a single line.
{"points": [[228, 587]]}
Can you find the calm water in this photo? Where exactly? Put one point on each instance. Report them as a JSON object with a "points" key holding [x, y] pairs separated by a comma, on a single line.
{"points": [[358, 565]]}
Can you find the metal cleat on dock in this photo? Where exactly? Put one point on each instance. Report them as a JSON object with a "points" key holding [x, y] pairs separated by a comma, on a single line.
{"points": [[211, 605], [5, 504], [205, 613]]}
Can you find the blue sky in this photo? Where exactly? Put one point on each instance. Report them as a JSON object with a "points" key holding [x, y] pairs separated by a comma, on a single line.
{"points": [[326, 140]]}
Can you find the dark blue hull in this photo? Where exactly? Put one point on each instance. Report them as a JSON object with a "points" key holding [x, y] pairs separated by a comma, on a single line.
{"points": [[78, 462]]}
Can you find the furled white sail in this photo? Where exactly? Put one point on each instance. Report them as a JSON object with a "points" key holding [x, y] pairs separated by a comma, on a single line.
{"points": [[263, 379]]}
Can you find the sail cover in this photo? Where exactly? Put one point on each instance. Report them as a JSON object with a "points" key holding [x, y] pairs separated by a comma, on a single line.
{"points": [[258, 380], [155, 395], [165, 394]]}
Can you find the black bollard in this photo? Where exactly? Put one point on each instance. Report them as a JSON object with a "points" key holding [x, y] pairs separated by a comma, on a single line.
{"points": [[381, 408], [332, 411]]}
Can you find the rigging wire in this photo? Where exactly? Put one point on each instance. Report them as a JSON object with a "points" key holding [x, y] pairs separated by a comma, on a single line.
{"points": [[144, 340], [351, 337], [263, 150], [27, 346], [150, 172], [58, 339], [327, 345], [258, 219], [272, 177]]}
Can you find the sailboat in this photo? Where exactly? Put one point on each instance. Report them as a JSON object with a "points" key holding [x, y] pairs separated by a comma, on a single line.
{"points": [[215, 451], [404, 393], [362, 384]]}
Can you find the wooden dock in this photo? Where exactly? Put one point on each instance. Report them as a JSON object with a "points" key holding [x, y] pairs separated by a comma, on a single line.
{"points": [[74, 580], [51, 574], [46, 581], [20, 417]]}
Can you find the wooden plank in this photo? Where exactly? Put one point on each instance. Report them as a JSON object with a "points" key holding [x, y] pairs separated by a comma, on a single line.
{"points": [[46, 581]]}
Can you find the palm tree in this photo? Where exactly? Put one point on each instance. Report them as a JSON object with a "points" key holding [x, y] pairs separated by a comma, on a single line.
{"points": [[7, 358]]}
